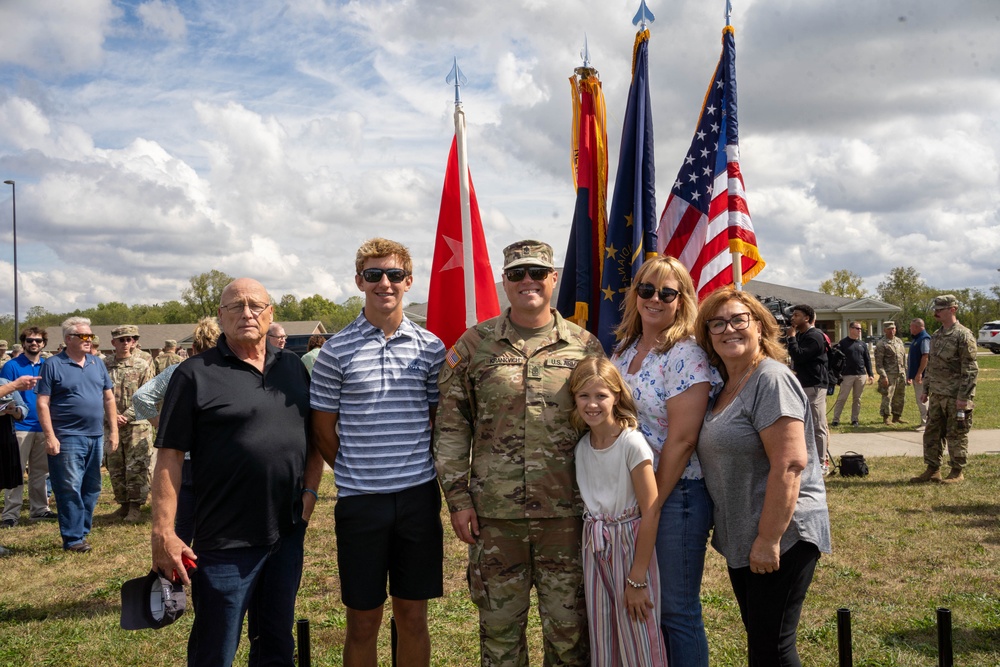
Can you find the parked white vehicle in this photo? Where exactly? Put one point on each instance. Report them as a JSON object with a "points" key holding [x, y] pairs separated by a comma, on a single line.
{"points": [[989, 336]]}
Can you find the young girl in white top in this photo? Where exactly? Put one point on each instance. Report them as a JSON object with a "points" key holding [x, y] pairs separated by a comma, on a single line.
{"points": [[614, 469]]}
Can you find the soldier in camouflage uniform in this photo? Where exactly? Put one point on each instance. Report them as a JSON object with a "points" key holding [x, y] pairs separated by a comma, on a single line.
{"points": [[128, 467], [167, 357], [890, 360], [949, 387], [505, 400]]}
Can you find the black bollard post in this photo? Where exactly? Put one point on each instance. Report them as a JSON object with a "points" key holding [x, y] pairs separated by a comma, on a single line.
{"points": [[844, 649], [945, 655], [302, 630]]}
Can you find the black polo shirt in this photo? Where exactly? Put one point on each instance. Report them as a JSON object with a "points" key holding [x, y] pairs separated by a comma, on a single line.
{"points": [[247, 434]]}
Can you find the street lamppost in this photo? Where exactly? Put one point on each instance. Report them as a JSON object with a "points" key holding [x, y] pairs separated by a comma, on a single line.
{"points": [[13, 208]]}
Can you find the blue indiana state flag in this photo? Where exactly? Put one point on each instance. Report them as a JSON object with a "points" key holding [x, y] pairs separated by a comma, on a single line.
{"points": [[631, 237]]}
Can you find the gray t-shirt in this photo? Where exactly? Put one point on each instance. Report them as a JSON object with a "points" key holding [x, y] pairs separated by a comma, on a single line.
{"points": [[736, 466]]}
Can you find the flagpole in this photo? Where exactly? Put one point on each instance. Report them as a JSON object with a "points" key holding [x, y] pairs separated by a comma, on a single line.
{"points": [[469, 267], [737, 256]]}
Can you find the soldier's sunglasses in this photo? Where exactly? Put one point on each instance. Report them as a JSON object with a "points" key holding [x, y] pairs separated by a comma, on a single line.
{"points": [[375, 275], [646, 291], [517, 274]]}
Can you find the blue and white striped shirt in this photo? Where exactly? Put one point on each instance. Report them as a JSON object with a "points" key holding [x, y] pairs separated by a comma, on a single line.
{"points": [[383, 390]]}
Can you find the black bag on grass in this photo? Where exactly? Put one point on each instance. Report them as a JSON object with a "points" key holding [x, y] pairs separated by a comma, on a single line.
{"points": [[853, 464]]}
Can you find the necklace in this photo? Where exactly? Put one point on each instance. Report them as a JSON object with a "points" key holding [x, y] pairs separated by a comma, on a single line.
{"points": [[735, 387]]}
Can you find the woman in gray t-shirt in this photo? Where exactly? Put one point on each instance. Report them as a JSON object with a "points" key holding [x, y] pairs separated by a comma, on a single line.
{"points": [[760, 465]]}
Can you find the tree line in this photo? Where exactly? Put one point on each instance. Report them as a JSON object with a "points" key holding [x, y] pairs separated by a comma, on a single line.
{"points": [[905, 288], [198, 300]]}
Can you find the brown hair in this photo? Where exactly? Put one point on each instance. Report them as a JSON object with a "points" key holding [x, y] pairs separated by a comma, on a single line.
{"points": [[599, 368], [38, 331], [655, 271], [315, 341], [769, 345], [379, 247]]}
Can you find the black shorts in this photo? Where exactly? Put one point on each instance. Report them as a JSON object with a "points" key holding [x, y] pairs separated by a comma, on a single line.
{"points": [[395, 534]]}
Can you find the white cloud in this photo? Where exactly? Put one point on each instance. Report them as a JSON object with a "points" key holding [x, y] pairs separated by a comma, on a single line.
{"points": [[56, 36], [163, 17]]}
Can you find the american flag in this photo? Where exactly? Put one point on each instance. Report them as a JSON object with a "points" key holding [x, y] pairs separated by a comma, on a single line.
{"points": [[706, 217]]}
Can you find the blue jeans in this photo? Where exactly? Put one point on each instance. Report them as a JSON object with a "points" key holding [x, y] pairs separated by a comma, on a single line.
{"points": [[76, 482], [261, 582], [681, 540]]}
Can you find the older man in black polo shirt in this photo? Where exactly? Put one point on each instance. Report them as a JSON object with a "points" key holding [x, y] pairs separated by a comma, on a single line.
{"points": [[242, 410]]}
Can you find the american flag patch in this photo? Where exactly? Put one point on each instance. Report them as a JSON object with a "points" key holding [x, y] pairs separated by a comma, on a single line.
{"points": [[453, 357]]}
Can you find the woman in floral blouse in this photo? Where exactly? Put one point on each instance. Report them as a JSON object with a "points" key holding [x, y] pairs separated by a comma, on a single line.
{"points": [[671, 382]]}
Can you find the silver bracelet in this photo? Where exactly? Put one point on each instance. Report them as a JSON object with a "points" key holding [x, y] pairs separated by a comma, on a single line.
{"points": [[636, 585]]}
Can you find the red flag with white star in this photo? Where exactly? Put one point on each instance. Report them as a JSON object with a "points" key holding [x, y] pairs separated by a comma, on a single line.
{"points": [[462, 288]]}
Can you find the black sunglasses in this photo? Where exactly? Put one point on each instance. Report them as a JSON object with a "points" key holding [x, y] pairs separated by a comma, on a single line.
{"points": [[33, 340], [646, 291], [517, 274], [375, 275]]}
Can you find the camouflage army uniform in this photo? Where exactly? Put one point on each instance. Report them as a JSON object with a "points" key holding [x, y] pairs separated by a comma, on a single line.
{"points": [[507, 401], [890, 359], [128, 466], [165, 360], [951, 375]]}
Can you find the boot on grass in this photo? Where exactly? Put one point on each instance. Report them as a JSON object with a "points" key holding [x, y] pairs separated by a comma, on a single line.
{"points": [[929, 475], [122, 511], [134, 513], [954, 477]]}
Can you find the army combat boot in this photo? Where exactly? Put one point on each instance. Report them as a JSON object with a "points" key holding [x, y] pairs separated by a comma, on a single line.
{"points": [[929, 475], [135, 514], [954, 477]]}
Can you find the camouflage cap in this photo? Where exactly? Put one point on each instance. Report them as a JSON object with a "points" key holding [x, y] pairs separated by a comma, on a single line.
{"points": [[96, 341], [888, 323], [125, 330], [3, 343], [944, 301], [170, 342], [528, 253]]}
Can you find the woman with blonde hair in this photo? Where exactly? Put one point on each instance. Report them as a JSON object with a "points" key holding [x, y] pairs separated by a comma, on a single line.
{"points": [[671, 381], [763, 471]]}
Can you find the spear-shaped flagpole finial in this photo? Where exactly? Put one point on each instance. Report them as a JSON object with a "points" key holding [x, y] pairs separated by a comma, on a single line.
{"points": [[585, 54], [643, 16], [729, 10], [458, 79]]}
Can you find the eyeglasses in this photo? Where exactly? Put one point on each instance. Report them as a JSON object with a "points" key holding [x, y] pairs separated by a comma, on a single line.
{"points": [[517, 274], [84, 337], [738, 322], [375, 275], [647, 290], [278, 337], [38, 341], [238, 308]]}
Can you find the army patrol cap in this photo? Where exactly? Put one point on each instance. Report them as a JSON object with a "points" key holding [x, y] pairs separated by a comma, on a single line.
{"points": [[944, 301], [125, 330], [888, 323], [3, 344], [169, 343], [528, 253]]}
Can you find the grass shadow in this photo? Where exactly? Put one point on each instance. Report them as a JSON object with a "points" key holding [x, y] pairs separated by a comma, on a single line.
{"points": [[76, 609], [964, 641], [980, 515]]}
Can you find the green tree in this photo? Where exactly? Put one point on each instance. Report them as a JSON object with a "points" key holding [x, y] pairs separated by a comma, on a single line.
{"points": [[288, 309], [905, 288], [202, 298], [844, 283], [114, 312], [976, 307]]}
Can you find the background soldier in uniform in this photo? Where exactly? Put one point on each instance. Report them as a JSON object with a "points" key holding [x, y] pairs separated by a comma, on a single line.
{"points": [[128, 467], [890, 360], [167, 357], [505, 399], [949, 387]]}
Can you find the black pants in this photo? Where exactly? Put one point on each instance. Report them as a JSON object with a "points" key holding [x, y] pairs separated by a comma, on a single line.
{"points": [[771, 604]]}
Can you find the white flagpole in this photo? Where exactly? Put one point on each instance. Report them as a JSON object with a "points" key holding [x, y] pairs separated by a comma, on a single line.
{"points": [[468, 265]]}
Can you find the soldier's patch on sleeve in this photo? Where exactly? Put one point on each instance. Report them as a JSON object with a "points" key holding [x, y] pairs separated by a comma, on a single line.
{"points": [[453, 357]]}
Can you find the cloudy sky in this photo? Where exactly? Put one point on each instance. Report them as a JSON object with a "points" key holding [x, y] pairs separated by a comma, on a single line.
{"points": [[155, 140]]}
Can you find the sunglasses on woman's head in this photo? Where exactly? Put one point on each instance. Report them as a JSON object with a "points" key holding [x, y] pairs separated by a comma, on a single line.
{"points": [[646, 291], [375, 275]]}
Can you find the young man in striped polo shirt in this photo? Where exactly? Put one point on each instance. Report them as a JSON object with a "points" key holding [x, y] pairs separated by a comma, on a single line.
{"points": [[374, 394]]}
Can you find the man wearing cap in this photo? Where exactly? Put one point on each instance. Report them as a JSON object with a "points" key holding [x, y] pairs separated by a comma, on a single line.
{"points": [[4, 358], [30, 439], [128, 467], [503, 448], [242, 410], [920, 347], [890, 362], [75, 398], [949, 387], [167, 357]]}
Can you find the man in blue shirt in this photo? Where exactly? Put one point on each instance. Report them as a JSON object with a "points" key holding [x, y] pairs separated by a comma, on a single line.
{"points": [[30, 439], [920, 348], [374, 394], [74, 396]]}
